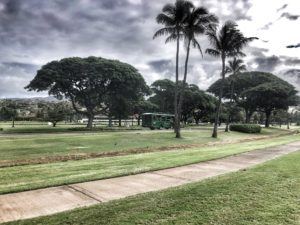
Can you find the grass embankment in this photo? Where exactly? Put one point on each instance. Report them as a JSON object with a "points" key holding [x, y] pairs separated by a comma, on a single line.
{"points": [[20, 178], [44, 128], [44, 148], [267, 194]]}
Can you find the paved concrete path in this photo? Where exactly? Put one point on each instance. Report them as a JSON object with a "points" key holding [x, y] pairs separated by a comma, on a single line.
{"points": [[47, 201]]}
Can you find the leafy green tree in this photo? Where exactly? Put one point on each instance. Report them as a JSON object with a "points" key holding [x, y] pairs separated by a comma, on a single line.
{"points": [[56, 112], [163, 97], [225, 42], [143, 106], [242, 83], [196, 104], [173, 17], [271, 96], [9, 111], [88, 83]]}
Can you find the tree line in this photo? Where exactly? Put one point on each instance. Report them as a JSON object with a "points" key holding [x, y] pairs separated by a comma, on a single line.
{"points": [[248, 97]]}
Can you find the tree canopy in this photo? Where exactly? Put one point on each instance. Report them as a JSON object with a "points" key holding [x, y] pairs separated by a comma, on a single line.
{"points": [[91, 84], [197, 104], [257, 91]]}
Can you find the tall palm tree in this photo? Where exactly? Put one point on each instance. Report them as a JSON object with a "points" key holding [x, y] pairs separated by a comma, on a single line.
{"points": [[196, 23], [226, 42], [234, 67], [173, 17]]}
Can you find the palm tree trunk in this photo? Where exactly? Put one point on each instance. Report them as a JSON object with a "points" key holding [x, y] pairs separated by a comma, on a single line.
{"points": [[230, 108], [215, 130], [176, 122], [181, 93]]}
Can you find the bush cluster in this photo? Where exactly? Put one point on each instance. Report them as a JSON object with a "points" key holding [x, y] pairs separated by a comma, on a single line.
{"points": [[246, 128]]}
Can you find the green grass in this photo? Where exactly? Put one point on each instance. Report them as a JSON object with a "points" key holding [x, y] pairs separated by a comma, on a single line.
{"points": [[20, 178], [268, 194], [35, 127], [26, 147]]}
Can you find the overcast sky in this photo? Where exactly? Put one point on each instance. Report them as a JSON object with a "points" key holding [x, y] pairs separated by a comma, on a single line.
{"points": [[34, 32]]}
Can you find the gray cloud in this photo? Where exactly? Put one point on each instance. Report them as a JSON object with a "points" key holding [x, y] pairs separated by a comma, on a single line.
{"points": [[290, 16], [267, 64], [164, 67], [292, 76], [282, 8], [267, 26], [238, 8], [290, 61], [294, 46], [14, 76]]}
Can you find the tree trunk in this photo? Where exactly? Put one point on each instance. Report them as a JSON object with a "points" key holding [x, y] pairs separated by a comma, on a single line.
{"points": [[109, 121], [268, 116], [181, 93], [176, 117], [90, 121], [53, 124], [227, 125], [215, 130], [230, 107], [13, 122], [248, 116], [139, 120], [120, 122], [288, 121]]}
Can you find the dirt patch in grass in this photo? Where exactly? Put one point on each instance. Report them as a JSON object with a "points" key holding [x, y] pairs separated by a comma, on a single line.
{"points": [[83, 156]]}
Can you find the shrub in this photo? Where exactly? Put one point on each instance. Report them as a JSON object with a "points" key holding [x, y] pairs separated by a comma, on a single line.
{"points": [[1, 129], [246, 128]]}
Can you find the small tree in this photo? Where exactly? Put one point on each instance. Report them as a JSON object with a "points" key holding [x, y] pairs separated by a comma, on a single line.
{"points": [[9, 111], [271, 96], [56, 112]]}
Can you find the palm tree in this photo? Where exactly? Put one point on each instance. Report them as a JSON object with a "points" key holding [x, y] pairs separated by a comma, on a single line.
{"points": [[226, 42], [196, 23], [173, 17], [235, 66]]}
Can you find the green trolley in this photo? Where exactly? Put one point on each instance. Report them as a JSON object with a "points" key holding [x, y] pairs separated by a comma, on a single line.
{"points": [[157, 120]]}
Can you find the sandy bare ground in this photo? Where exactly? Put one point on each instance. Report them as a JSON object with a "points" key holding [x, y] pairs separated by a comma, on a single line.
{"points": [[48, 201]]}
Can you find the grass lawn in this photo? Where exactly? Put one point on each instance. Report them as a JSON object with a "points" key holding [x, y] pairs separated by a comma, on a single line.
{"points": [[42, 127], [268, 194], [20, 178], [53, 146]]}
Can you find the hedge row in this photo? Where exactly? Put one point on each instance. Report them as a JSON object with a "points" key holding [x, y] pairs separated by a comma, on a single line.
{"points": [[246, 128]]}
